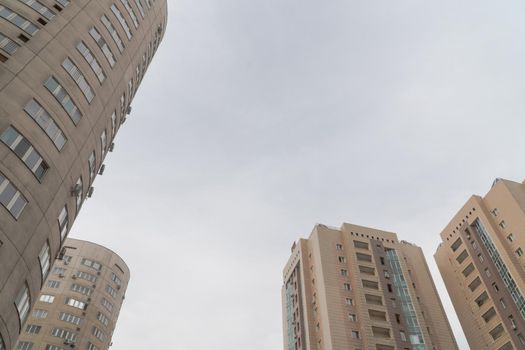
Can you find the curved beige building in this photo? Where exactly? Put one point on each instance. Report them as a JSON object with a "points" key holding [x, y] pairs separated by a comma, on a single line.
{"points": [[68, 73], [80, 301]]}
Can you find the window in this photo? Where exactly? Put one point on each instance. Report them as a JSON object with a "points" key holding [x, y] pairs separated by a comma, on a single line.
{"points": [[344, 272], [468, 270], [487, 272], [361, 245], [352, 317], [487, 316], [18, 20], [92, 61], [44, 120], [53, 284], [108, 305], [111, 291], [370, 284], [495, 212], [519, 252], [103, 141], [75, 303], [22, 303], [81, 289], [64, 316], [113, 32], [510, 237], [33, 329], [91, 263], [339, 246], [495, 286], [102, 318], [39, 313], [79, 78], [355, 334], [63, 333], [389, 287], [11, 198], [40, 8], [512, 322], [349, 301], [367, 270], [403, 335], [87, 276], [141, 9], [503, 304], [373, 299], [462, 256], [63, 222], [503, 224], [363, 257], [481, 299], [497, 331], [53, 347], [59, 271], [115, 278], [346, 286], [92, 347], [130, 12], [98, 333], [480, 257], [103, 45], [46, 298], [45, 260], [456, 244], [79, 193], [113, 123], [474, 284], [121, 20], [342, 259], [10, 47], [24, 345], [25, 151], [92, 166], [64, 99]]}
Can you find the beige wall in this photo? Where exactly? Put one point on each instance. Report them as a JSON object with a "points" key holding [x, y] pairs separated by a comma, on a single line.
{"points": [[327, 316], [21, 79], [501, 212]]}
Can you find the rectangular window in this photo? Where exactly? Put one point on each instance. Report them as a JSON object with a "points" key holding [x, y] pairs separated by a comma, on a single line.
{"points": [[22, 303], [81, 289], [344, 272], [111, 291], [130, 12], [342, 259], [25, 151], [355, 334], [352, 317], [64, 99], [141, 9], [45, 260], [103, 45], [79, 79], [11, 198], [474, 284], [370, 284], [91, 263], [18, 20], [107, 304], [79, 193], [364, 257], [113, 123], [462, 256], [75, 303], [59, 271], [52, 284], [92, 166], [115, 279], [33, 329], [346, 286], [87, 276], [8, 46], [519, 252], [63, 333], [468, 270], [113, 32], [92, 61], [456, 244], [102, 318], [39, 313], [64, 316], [40, 8], [361, 245], [46, 298], [349, 301], [98, 333], [92, 347], [63, 222], [503, 224], [44, 120], [103, 141], [510, 237], [121, 20], [24, 345]]}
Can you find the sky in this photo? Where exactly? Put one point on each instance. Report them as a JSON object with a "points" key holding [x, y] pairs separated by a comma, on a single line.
{"points": [[258, 119]]}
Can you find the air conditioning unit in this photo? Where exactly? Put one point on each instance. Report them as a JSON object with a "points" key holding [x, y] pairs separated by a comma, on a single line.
{"points": [[111, 147], [74, 277], [61, 275], [89, 299], [90, 191], [75, 190], [101, 170], [118, 286]]}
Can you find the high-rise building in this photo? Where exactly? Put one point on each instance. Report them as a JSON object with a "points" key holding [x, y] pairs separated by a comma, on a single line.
{"points": [[68, 73], [360, 288], [481, 259], [80, 301]]}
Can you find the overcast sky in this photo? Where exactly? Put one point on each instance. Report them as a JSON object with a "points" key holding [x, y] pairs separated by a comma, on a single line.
{"points": [[258, 119]]}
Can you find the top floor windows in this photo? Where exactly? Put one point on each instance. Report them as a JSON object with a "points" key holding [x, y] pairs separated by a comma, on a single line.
{"points": [[64, 99], [18, 20], [113, 32], [103, 45], [130, 12], [40, 8], [11, 198], [121, 20], [44, 120]]}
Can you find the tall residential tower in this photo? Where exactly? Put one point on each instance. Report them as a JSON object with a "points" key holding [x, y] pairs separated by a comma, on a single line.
{"points": [[80, 301], [360, 288], [481, 260], [68, 73]]}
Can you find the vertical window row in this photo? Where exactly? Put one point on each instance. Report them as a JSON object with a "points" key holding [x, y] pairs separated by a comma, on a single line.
{"points": [[92, 61], [46, 122], [25, 151], [130, 12], [18, 20], [121, 20], [64, 99], [113, 32], [102, 45], [40, 8], [11, 198], [79, 78]]}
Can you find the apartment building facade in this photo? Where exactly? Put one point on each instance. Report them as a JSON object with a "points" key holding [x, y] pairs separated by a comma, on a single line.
{"points": [[481, 259], [360, 288], [68, 73], [80, 302]]}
